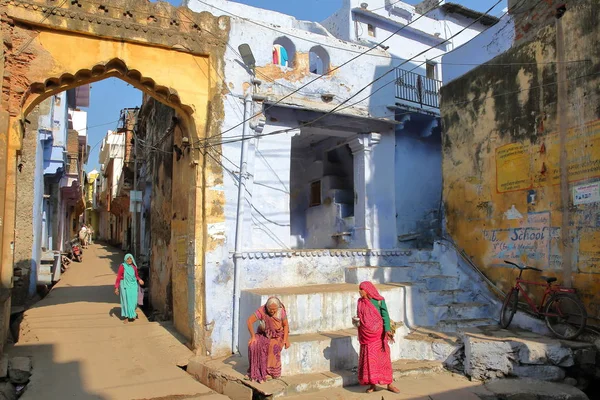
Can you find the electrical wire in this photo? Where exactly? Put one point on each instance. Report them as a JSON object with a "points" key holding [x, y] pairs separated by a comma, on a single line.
{"points": [[355, 94], [339, 66]]}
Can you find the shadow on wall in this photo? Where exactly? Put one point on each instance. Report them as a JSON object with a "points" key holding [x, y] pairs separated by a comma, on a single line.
{"points": [[43, 357]]}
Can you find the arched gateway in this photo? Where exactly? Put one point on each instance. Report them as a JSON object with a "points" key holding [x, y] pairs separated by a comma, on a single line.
{"points": [[171, 53]]}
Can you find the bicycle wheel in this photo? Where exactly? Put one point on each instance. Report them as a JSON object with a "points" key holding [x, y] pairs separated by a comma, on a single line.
{"points": [[509, 308], [565, 316]]}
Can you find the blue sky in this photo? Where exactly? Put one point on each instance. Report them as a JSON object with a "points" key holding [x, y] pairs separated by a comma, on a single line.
{"points": [[109, 96]]}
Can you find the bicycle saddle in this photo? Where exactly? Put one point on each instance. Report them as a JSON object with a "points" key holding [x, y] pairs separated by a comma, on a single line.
{"points": [[549, 279]]}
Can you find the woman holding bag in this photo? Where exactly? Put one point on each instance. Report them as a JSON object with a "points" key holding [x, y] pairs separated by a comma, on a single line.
{"points": [[127, 287], [374, 333]]}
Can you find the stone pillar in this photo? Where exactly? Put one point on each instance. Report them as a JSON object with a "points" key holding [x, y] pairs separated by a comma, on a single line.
{"points": [[361, 147]]}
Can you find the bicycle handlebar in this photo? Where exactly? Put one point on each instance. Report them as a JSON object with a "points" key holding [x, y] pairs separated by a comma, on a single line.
{"points": [[524, 267]]}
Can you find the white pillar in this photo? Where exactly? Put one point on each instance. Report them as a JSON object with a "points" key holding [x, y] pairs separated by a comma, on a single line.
{"points": [[361, 147]]}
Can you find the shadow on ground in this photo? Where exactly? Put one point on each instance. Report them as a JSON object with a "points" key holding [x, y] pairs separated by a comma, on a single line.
{"points": [[44, 364]]}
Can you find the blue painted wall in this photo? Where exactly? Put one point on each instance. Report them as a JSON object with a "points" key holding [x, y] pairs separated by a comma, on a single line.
{"points": [[418, 179]]}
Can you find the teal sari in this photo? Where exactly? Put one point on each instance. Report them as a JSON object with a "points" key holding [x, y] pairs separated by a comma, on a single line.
{"points": [[128, 290]]}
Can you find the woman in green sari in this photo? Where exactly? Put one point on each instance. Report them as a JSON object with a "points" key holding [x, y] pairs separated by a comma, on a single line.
{"points": [[127, 286]]}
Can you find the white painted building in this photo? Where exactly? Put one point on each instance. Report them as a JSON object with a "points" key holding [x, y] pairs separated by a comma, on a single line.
{"points": [[323, 192], [111, 158], [480, 50]]}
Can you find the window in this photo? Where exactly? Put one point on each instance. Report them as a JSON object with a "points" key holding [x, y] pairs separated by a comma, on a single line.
{"points": [[430, 71], [315, 194], [318, 61], [371, 30], [284, 52]]}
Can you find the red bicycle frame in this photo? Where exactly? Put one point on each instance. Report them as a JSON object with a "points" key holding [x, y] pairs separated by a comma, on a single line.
{"points": [[548, 292]]}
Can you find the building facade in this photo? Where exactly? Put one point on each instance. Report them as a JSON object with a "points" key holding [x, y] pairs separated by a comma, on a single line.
{"points": [[331, 169], [520, 155], [116, 181], [51, 167]]}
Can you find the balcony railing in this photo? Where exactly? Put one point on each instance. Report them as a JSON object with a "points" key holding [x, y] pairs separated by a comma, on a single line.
{"points": [[417, 88]]}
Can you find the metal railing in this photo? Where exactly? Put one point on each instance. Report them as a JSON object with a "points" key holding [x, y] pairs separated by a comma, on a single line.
{"points": [[417, 88]]}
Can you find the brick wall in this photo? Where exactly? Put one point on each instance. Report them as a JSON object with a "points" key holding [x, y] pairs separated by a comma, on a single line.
{"points": [[532, 15]]}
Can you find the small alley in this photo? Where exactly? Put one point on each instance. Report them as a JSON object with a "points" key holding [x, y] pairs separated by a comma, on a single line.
{"points": [[80, 349]]}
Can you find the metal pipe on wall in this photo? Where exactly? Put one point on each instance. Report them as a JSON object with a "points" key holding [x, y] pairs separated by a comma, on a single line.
{"points": [[239, 224]]}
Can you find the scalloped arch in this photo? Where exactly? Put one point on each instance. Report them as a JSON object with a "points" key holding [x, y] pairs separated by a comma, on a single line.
{"points": [[38, 91]]}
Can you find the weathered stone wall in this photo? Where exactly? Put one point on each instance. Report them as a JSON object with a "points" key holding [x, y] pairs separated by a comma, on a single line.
{"points": [[25, 205], [532, 15], [154, 123], [509, 191]]}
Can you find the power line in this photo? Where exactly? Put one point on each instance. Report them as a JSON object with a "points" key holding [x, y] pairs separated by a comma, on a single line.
{"points": [[339, 66], [362, 89], [423, 62], [450, 104], [441, 55]]}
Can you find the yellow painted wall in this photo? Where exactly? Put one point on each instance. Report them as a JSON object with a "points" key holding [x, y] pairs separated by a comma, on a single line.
{"points": [[178, 65], [501, 158]]}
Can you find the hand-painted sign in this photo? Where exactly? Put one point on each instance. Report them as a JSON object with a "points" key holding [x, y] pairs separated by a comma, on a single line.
{"points": [[586, 194], [530, 241]]}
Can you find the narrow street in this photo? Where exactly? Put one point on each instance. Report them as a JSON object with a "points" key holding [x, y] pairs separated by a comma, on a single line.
{"points": [[80, 348]]}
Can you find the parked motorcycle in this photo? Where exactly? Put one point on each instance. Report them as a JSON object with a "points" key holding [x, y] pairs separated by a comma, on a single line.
{"points": [[77, 250], [73, 250]]}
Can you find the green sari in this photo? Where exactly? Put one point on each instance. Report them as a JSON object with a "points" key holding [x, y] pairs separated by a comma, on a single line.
{"points": [[128, 290]]}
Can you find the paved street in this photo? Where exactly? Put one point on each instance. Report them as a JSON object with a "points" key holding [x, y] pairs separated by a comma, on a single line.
{"points": [[82, 350], [439, 386]]}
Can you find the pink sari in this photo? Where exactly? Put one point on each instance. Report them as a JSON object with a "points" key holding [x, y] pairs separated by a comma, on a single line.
{"points": [[374, 361], [264, 355]]}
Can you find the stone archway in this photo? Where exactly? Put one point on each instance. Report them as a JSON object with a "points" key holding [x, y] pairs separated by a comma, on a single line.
{"points": [[174, 55]]}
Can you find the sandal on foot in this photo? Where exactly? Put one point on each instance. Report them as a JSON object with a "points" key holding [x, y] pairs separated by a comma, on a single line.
{"points": [[371, 389]]}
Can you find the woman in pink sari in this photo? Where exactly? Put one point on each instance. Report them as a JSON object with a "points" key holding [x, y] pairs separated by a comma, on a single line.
{"points": [[374, 332], [265, 346]]}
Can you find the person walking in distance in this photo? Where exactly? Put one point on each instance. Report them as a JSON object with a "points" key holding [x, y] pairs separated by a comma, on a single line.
{"points": [[126, 286], [374, 333], [83, 232]]}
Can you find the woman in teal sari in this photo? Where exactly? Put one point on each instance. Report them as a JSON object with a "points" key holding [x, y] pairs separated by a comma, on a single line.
{"points": [[127, 286]]}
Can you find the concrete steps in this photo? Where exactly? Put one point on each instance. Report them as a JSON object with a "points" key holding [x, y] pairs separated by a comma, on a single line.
{"points": [[227, 375], [403, 273], [453, 325], [321, 352], [461, 311], [441, 297], [309, 383], [435, 300], [320, 308], [439, 282]]}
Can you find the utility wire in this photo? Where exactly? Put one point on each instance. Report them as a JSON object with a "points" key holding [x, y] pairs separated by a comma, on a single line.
{"points": [[339, 66], [355, 94], [412, 112]]}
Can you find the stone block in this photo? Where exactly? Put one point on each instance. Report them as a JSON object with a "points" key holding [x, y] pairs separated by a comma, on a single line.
{"points": [[237, 391], [19, 370], [559, 355], [489, 359], [7, 391], [533, 354], [540, 372]]}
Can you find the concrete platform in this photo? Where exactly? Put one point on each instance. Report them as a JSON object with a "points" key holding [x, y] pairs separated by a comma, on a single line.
{"points": [[319, 308], [222, 375], [447, 386], [381, 275]]}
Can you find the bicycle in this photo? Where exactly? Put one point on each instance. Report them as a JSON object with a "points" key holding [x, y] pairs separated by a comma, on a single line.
{"points": [[564, 312]]}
